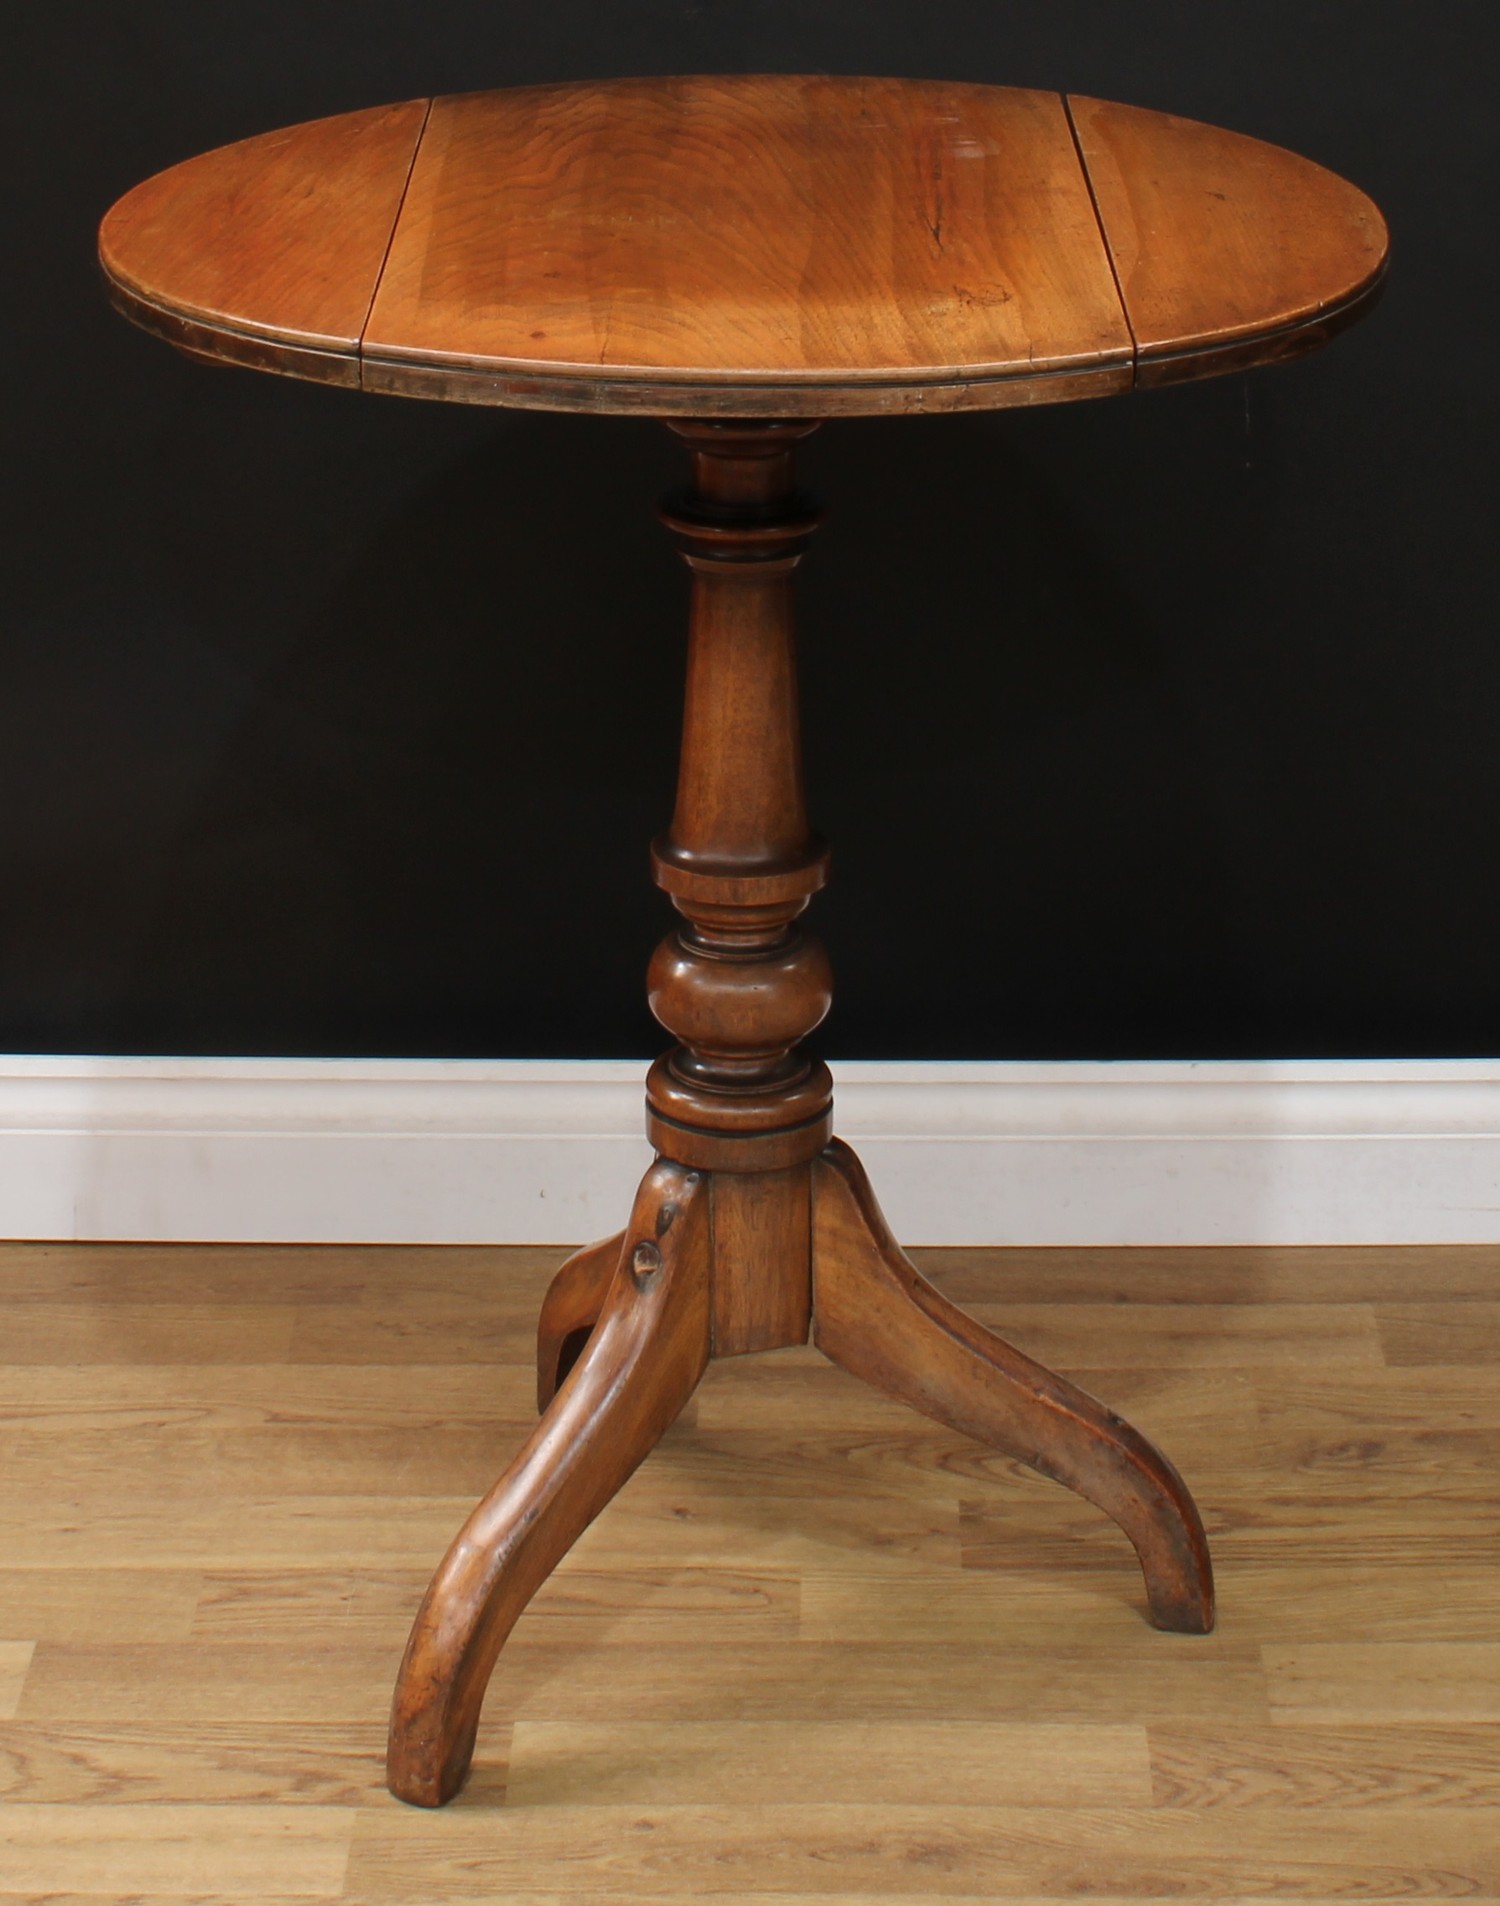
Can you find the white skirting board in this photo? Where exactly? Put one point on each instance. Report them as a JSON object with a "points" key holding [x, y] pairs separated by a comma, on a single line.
{"points": [[548, 1151]]}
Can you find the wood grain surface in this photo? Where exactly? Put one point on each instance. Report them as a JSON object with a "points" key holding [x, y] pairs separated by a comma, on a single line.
{"points": [[641, 1364], [820, 1647], [761, 230], [876, 1316], [280, 237], [751, 1227], [768, 246], [1223, 243]]}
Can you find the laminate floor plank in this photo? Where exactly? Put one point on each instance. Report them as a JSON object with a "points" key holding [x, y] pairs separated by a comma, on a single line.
{"points": [[184, 1851], [869, 1897], [1441, 1333], [1434, 1537], [248, 1761], [447, 1458], [1318, 1602], [1045, 1606], [15, 1665], [98, 1604], [760, 1763], [448, 1330], [911, 1460], [1359, 1765], [1141, 1678], [852, 1762], [509, 1280], [60, 1896], [194, 1332], [681, 1851], [66, 1398], [798, 1390], [819, 1648], [1438, 1459], [1385, 1680], [577, 1608], [681, 1520], [142, 1681], [294, 1532], [1225, 1274], [1362, 1404], [1079, 1336]]}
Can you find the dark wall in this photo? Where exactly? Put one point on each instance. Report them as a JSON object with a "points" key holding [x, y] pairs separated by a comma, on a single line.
{"points": [[1163, 726]]}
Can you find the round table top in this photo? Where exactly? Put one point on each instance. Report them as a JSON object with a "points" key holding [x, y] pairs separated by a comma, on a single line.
{"points": [[769, 246]]}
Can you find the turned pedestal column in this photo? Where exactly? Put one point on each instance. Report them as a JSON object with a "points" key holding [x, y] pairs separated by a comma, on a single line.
{"points": [[754, 1226]]}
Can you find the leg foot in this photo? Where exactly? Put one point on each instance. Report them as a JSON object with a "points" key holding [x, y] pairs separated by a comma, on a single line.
{"points": [[876, 1316], [570, 1310], [641, 1364]]}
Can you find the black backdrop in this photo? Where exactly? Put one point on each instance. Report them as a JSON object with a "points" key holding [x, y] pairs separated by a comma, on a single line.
{"points": [[1165, 726]]}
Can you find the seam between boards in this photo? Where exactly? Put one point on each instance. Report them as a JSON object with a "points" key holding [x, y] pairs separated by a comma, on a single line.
{"points": [[1088, 179], [385, 259]]}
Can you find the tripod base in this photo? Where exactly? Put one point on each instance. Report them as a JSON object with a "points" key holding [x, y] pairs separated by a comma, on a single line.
{"points": [[716, 1264]]}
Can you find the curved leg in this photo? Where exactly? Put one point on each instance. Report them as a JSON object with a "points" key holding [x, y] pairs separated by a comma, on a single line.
{"points": [[570, 1310], [874, 1314], [642, 1363]]}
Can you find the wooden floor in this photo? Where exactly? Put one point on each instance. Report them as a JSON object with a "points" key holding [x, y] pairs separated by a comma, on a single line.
{"points": [[819, 1648]]}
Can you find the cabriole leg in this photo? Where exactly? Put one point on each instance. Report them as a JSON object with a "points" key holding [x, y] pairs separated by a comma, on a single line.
{"points": [[876, 1316], [640, 1366]]}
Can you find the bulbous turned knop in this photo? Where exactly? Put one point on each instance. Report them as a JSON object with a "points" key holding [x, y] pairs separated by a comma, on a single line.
{"points": [[741, 1005]]}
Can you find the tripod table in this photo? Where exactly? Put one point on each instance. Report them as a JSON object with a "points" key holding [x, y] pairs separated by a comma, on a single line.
{"points": [[743, 258]]}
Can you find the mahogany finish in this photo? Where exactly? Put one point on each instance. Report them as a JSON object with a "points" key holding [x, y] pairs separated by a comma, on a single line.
{"points": [[762, 1259], [739, 984], [268, 252], [1222, 243], [642, 1362], [746, 256], [570, 1310], [779, 228], [750, 246], [879, 1318], [787, 1236]]}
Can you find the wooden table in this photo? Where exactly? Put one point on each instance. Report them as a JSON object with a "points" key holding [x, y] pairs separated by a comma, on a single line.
{"points": [[746, 257]]}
